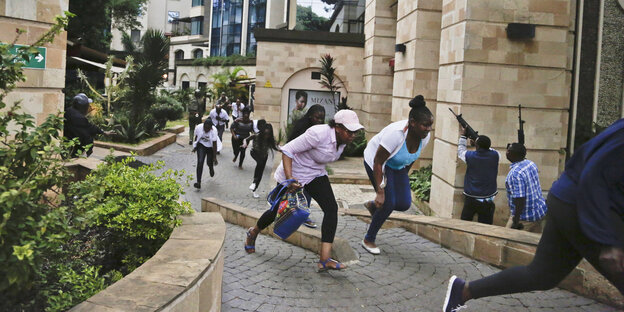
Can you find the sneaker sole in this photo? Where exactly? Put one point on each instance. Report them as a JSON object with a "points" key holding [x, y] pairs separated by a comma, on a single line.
{"points": [[448, 292]]}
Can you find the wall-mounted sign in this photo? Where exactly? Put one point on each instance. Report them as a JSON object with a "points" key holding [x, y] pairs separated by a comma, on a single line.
{"points": [[36, 60], [268, 84], [299, 101]]}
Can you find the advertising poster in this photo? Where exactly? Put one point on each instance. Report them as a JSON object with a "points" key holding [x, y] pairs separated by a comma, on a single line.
{"points": [[300, 100]]}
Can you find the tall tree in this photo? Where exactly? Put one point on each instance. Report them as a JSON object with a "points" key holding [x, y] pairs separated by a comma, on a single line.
{"points": [[94, 19], [308, 20]]}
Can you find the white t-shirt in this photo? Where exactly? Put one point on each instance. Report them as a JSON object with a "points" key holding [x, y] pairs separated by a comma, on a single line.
{"points": [[237, 110], [391, 138], [223, 115], [206, 138]]}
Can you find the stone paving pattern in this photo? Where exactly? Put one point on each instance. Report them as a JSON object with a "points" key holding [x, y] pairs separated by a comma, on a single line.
{"points": [[411, 274]]}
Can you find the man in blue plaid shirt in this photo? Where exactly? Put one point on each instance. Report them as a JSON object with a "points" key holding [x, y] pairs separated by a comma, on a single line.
{"points": [[524, 191]]}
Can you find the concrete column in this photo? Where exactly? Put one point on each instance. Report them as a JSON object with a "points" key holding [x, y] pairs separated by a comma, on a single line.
{"points": [[416, 69], [380, 36], [484, 75]]}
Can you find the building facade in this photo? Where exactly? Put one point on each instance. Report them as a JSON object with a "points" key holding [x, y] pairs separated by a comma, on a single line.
{"points": [[564, 66]]}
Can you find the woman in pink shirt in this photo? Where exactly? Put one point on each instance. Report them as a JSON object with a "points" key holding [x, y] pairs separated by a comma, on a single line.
{"points": [[304, 160]]}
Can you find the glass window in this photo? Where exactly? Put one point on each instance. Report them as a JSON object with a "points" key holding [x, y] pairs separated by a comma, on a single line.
{"points": [[226, 27], [135, 35], [257, 19], [197, 24], [202, 85], [179, 55], [197, 2], [199, 53], [186, 84]]}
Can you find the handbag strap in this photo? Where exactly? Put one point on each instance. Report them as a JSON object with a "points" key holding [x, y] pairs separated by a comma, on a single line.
{"points": [[277, 192]]}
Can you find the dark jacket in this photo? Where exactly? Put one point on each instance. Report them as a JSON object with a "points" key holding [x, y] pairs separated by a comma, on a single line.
{"points": [[78, 126], [593, 181]]}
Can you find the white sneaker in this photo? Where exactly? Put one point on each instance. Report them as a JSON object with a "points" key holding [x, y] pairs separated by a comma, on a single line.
{"points": [[252, 186], [256, 195]]}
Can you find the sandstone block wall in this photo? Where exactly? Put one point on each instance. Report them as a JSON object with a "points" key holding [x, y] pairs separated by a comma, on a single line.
{"points": [[380, 32], [41, 94], [484, 75], [416, 69], [281, 61]]}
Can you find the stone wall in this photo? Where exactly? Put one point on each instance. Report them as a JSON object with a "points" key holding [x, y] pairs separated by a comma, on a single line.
{"points": [[416, 70], [184, 275], [281, 60], [485, 76], [380, 29], [41, 94]]}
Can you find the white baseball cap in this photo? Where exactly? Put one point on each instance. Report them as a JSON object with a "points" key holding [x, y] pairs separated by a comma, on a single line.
{"points": [[348, 119]]}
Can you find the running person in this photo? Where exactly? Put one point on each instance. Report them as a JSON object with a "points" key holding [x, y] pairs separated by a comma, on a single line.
{"points": [[304, 160], [263, 141], [241, 129], [388, 158]]}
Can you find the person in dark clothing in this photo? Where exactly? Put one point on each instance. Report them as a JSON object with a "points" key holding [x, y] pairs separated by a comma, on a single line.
{"points": [[196, 110], [263, 141], [314, 116], [78, 126], [241, 129], [480, 179], [585, 220]]}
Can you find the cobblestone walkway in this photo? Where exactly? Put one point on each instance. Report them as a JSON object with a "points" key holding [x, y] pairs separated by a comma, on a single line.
{"points": [[409, 275]]}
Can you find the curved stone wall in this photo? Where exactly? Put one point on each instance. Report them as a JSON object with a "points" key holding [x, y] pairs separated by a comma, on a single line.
{"points": [[184, 275]]}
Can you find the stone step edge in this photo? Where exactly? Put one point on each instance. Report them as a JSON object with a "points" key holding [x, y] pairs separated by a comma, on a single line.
{"points": [[306, 238], [500, 247], [145, 149]]}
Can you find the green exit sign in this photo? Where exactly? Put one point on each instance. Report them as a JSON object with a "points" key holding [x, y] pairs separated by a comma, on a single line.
{"points": [[36, 60]]}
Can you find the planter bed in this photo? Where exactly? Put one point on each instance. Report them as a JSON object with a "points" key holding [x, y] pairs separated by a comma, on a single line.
{"points": [[147, 148]]}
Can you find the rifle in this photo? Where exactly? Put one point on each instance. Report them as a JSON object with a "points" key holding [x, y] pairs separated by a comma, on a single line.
{"points": [[521, 129], [470, 133]]}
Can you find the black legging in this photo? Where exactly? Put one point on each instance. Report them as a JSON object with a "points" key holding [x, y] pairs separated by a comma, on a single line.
{"points": [[559, 251], [204, 152], [261, 161], [238, 148], [321, 191]]}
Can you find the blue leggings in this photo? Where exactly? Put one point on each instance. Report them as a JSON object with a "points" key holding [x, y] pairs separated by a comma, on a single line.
{"points": [[398, 197]]}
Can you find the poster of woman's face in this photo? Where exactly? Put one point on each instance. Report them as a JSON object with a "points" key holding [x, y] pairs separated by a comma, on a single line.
{"points": [[300, 100]]}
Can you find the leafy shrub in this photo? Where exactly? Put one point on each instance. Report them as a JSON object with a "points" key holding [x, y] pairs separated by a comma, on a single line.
{"points": [[232, 60], [32, 223], [137, 208], [77, 286], [166, 109], [420, 183], [357, 146]]}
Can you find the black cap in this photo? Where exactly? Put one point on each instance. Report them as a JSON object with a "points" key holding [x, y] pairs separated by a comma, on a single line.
{"points": [[81, 100]]}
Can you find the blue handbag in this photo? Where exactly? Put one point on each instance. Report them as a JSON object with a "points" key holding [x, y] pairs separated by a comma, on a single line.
{"points": [[292, 209]]}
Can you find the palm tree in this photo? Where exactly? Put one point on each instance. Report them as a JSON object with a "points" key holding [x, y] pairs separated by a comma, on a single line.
{"points": [[229, 81], [328, 78]]}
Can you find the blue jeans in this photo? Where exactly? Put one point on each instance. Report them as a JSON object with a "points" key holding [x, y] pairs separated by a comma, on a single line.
{"points": [[398, 197]]}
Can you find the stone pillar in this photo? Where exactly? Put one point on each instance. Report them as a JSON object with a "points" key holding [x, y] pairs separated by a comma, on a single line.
{"points": [[380, 37], [41, 93], [484, 75], [416, 69]]}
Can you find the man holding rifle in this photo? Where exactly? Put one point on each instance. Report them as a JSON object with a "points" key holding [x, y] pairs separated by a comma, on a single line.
{"points": [[481, 173], [480, 178]]}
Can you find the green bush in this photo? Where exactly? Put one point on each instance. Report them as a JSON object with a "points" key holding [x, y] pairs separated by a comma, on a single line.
{"points": [[137, 208], [357, 146], [32, 223], [420, 183], [76, 286], [232, 60], [166, 109]]}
